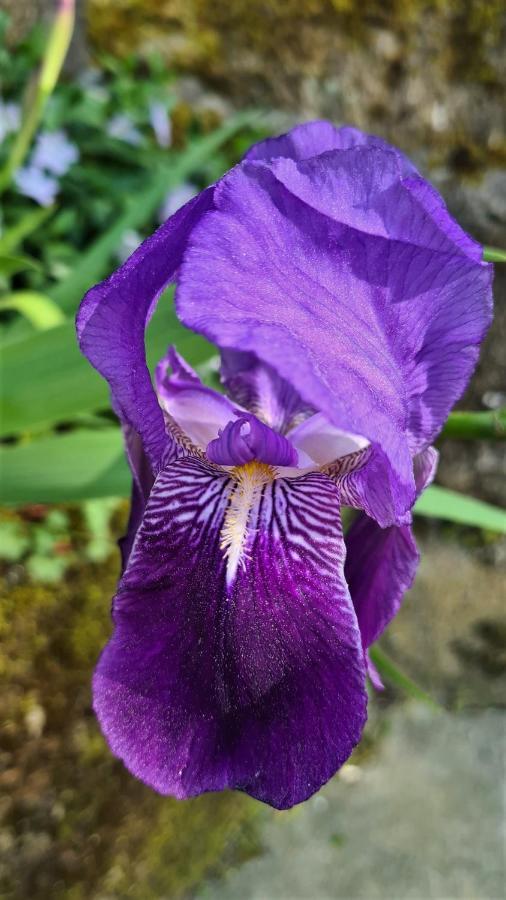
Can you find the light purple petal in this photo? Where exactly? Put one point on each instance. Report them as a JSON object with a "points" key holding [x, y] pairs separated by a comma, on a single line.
{"points": [[258, 686], [112, 319], [313, 138], [198, 410], [322, 441], [267, 274], [380, 567], [258, 387], [34, 183], [54, 152], [247, 439], [122, 128], [160, 123], [436, 289]]}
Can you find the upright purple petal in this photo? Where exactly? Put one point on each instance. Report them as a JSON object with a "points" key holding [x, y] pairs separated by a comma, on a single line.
{"points": [[112, 319], [437, 290], [313, 138], [267, 274], [253, 681]]}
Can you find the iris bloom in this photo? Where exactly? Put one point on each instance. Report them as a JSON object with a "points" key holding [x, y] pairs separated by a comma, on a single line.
{"points": [[348, 307]]}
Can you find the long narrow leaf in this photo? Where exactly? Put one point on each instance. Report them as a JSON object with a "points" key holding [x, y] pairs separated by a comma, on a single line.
{"points": [[46, 380], [440, 503], [80, 465]]}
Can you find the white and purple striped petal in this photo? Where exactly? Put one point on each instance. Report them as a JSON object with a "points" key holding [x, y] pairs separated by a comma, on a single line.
{"points": [[254, 682]]}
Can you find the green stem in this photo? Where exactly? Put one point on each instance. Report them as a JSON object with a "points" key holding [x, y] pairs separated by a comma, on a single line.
{"points": [[52, 62], [389, 670], [476, 425], [494, 254]]}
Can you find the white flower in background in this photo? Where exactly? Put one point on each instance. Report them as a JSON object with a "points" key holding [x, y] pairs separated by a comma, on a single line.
{"points": [[10, 118], [54, 152], [122, 127], [175, 199], [33, 182], [129, 242], [160, 123]]}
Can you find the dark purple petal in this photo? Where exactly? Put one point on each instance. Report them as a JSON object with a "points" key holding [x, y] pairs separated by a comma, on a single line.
{"points": [[267, 274], [258, 387], [257, 686], [381, 562], [246, 439], [313, 138], [199, 411], [380, 567], [112, 319]]}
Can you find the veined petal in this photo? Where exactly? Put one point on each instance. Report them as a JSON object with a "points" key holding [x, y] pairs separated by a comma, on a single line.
{"points": [[112, 319], [256, 386], [198, 410], [319, 325], [256, 683]]}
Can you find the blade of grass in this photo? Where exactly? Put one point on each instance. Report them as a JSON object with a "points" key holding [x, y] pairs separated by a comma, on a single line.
{"points": [[390, 672], [440, 503]]}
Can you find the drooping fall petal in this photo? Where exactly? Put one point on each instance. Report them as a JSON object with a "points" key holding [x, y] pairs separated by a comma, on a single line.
{"points": [[234, 673]]}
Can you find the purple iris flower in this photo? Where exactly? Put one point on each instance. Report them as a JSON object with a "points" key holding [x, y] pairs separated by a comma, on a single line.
{"points": [[348, 307]]}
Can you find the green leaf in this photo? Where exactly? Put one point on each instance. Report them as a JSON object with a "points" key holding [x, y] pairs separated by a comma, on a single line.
{"points": [[79, 465], [390, 672], [27, 224], [476, 425], [11, 265], [140, 208], [440, 503], [40, 310], [46, 380], [494, 255]]}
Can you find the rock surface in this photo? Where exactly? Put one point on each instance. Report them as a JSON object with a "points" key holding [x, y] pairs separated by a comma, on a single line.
{"points": [[424, 820]]}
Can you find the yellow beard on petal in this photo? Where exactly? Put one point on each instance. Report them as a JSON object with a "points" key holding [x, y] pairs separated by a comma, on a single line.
{"points": [[250, 479]]}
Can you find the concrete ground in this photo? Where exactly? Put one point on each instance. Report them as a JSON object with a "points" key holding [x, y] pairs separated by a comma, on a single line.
{"points": [[423, 818]]}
